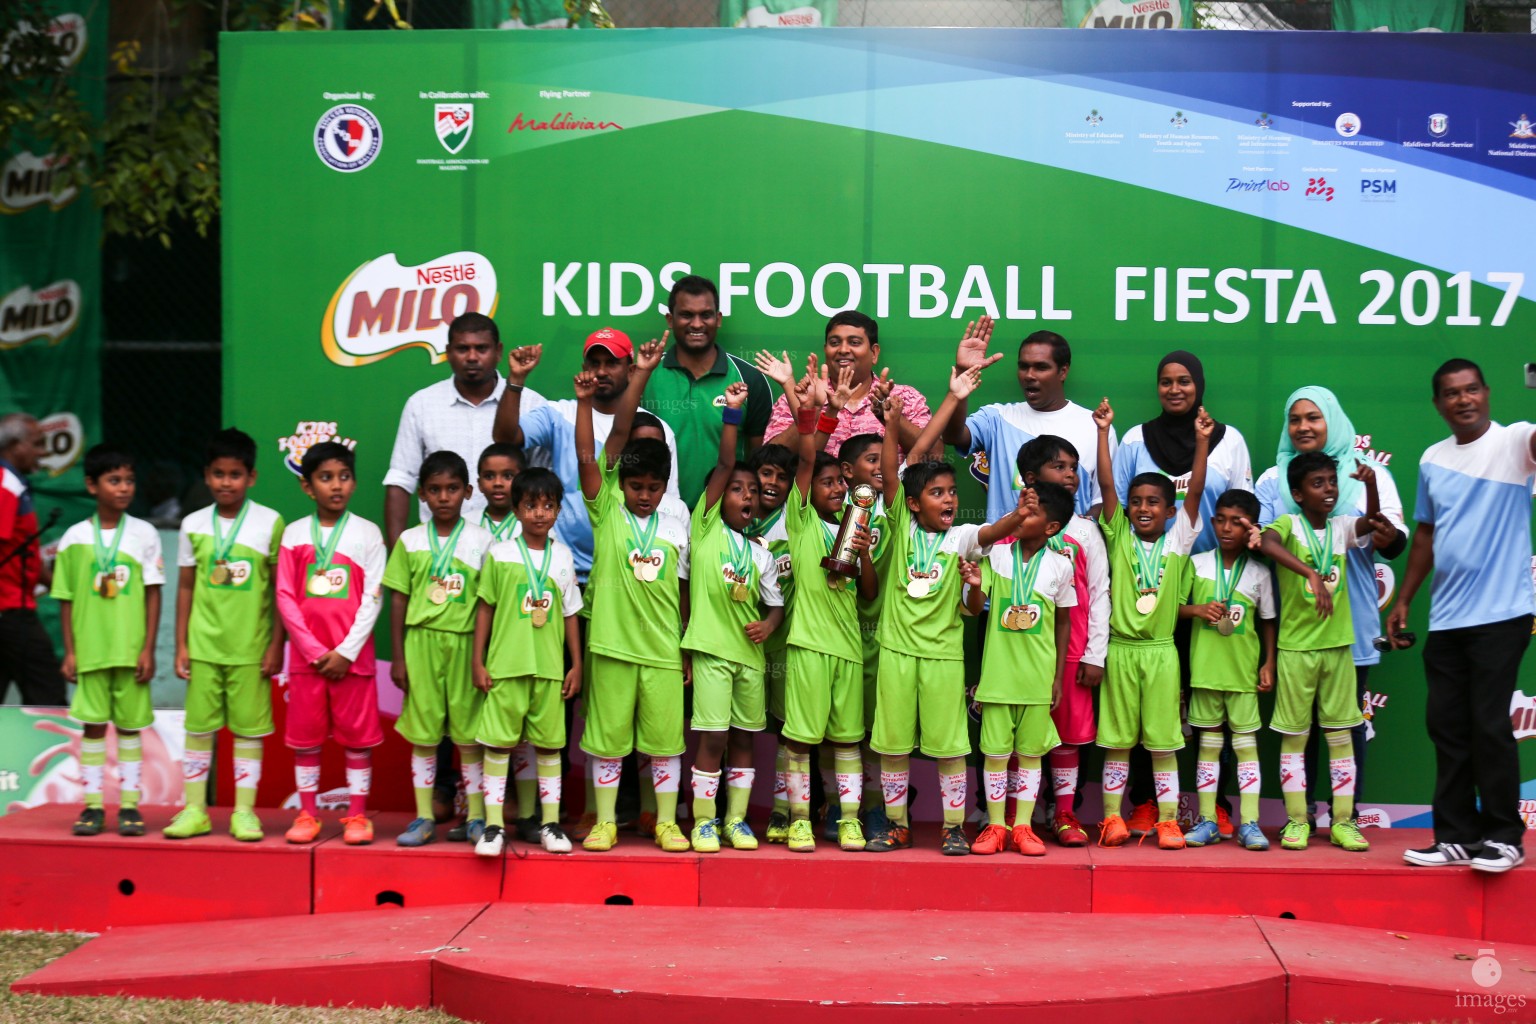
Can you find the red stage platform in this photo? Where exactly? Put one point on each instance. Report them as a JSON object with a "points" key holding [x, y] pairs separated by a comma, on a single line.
{"points": [[501, 963], [52, 880]]}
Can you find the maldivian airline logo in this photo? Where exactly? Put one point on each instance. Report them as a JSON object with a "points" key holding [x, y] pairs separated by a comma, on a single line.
{"points": [[49, 312], [454, 122], [28, 180], [382, 307]]}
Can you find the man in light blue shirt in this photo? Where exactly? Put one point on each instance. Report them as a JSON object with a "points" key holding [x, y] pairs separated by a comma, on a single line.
{"points": [[1474, 538]]}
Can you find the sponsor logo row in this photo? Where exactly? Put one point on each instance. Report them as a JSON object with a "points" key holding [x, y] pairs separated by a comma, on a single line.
{"points": [[1317, 188]]}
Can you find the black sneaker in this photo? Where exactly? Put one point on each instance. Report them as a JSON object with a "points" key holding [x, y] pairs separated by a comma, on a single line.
{"points": [[1496, 857], [892, 837], [90, 823], [527, 830], [460, 832], [1442, 855], [953, 843], [129, 821]]}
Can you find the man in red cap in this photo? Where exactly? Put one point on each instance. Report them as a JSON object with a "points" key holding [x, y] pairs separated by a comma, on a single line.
{"points": [[608, 355]]}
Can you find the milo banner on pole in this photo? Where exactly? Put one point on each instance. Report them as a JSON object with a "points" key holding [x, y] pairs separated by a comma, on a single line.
{"points": [[1286, 205], [50, 263]]}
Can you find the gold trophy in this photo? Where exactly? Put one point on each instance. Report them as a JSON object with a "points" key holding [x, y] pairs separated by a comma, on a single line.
{"points": [[843, 560]]}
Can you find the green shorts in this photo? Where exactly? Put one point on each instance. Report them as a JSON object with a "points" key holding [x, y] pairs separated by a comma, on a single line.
{"points": [[237, 696], [1024, 729], [110, 695], [1211, 709], [1139, 698], [823, 698], [726, 695], [920, 691], [633, 707], [519, 709], [1323, 678], [773, 682], [442, 699], [871, 669]]}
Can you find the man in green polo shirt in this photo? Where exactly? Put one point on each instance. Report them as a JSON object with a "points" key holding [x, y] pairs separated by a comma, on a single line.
{"points": [[688, 389]]}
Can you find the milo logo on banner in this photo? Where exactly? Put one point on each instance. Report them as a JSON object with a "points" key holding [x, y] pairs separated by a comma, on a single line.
{"points": [[383, 307], [63, 441], [29, 52], [49, 312], [28, 180], [1128, 13]]}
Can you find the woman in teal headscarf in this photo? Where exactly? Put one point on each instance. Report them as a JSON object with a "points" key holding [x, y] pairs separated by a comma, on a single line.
{"points": [[1315, 422]]}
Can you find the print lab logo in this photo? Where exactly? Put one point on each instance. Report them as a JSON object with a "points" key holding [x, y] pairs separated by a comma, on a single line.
{"points": [[454, 123], [1318, 189], [348, 137], [1257, 185], [1347, 125], [383, 307], [1439, 125], [306, 434], [564, 122]]}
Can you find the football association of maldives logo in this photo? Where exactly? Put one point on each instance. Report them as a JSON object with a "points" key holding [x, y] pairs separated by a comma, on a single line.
{"points": [[348, 137], [454, 122]]}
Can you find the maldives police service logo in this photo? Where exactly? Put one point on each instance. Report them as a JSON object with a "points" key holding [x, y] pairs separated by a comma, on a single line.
{"points": [[454, 123], [348, 137]]}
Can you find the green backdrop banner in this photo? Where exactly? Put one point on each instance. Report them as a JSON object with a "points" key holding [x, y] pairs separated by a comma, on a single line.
{"points": [[1398, 15], [1200, 190]]}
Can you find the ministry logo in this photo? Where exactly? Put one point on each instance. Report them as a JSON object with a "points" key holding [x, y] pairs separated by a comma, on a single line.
{"points": [[454, 123]]}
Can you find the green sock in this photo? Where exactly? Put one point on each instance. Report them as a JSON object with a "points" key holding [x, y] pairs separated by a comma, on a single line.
{"points": [[590, 790], [666, 806], [93, 764], [995, 778], [606, 798], [496, 762], [1029, 788], [952, 780], [548, 767], [1293, 775], [704, 808], [1117, 772], [781, 775], [738, 792], [896, 769], [648, 797], [248, 751], [1245, 747], [130, 766], [1208, 772], [423, 774], [849, 775], [1165, 783], [472, 764], [1341, 770], [525, 780], [199, 750], [799, 785]]}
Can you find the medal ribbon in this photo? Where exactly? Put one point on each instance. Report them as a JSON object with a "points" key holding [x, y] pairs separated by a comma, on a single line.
{"points": [[758, 527], [501, 530], [1147, 564], [924, 554], [442, 551], [1226, 583], [538, 579], [1024, 579], [323, 552], [222, 545], [643, 539], [106, 560], [1321, 551], [741, 559]]}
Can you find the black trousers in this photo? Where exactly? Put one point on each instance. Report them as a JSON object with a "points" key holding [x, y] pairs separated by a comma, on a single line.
{"points": [[27, 659], [1471, 676]]}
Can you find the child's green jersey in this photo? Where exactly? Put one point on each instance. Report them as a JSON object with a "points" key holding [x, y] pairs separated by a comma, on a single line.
{"points": [[774, 535], [1018, 660], [633, 587], [108, 632], [729, 578], [1228, 662], [1326, 551], [1140, 570], [826, 613], [920, 614], [235, 561], [519, 584], [448, 569]]}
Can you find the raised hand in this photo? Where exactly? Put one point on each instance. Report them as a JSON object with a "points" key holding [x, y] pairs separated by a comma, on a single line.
{"points": [[1255, 535], [1103, 416], [972, 350], [1364, 473], [963, 382], [1204, 425], [970, 573], [521, 362], [776, 368], [648, 357], [842, 389], [880, 394], [736, 395], [585, 384], [820, 388]]}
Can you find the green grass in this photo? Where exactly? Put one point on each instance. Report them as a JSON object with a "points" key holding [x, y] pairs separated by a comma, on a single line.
{"points": [[24, 952]]}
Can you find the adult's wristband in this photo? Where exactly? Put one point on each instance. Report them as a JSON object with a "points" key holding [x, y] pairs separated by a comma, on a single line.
{"points": [[826, 424], [805, 421], [732, 416]]}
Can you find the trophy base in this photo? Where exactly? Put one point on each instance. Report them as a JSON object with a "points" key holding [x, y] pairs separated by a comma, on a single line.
{"points": [[838, 567]]}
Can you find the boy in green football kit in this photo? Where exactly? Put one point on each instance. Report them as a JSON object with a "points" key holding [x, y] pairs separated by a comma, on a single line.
{"points": [[1149, 570], [107, 581], [228, 642], [637, 587], [528, 606], [433, 571], [824, 687], [775, 468], [922, 654], [1316, 632], [1231, 661], [1030, 587], [731, 579]]}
